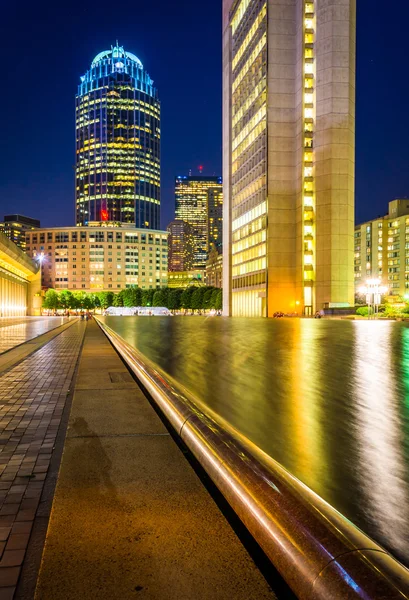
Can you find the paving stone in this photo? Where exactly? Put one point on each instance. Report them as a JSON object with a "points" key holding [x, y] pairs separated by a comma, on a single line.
{"points": [[12, 558], [17, 541], [4, 533], [32, 399], [9, 577]]}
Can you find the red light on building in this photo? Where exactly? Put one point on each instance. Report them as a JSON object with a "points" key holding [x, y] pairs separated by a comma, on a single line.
{"points": [[200, 168], [104, 215]]}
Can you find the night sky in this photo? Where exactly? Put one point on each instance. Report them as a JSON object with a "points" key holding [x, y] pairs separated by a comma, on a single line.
{"points": [[46, 46]]}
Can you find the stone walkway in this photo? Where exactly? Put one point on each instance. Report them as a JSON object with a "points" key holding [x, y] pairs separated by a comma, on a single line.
{"points": [[13, 333], [32, 400], [130, 517]]}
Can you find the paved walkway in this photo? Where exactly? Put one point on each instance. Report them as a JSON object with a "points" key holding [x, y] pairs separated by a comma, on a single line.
{"points": [[32, 398], [13, 333], [130, 517]]}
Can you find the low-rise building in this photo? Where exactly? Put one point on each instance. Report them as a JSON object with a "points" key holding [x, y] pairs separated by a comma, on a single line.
{"points": [[20, 281], [98, 258], [15, 227], [181, 279], [382, 250]]}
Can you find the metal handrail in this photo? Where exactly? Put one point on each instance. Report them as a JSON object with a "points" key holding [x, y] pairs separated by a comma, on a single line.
{"points": [[320, 554]]}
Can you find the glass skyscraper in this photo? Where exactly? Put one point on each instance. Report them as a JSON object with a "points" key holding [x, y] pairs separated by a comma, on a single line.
{"points": [[199, 201], [117, 143]]}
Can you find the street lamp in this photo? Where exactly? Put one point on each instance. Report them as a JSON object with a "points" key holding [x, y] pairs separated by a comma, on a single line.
{"points": [[373, 291]]}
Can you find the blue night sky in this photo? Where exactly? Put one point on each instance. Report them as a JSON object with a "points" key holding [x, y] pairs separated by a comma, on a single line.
{"points": [[46, 46]]}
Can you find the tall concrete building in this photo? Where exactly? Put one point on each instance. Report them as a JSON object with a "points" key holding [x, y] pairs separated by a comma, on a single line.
{"points": [[288, 155], [198, 200]]}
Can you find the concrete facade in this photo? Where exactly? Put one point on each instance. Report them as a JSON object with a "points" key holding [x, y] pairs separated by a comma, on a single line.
{"points": [[288, 152]]}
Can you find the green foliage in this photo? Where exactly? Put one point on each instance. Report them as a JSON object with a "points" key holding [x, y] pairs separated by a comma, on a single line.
{"points": [[105, 299], [197, 298], [207, 297], [51, 300], [158, 298], [363, 311], [147, 297], [186, 298], [118, 299], [66, 299], [174, 298], [219, 300], [392, 311], [213, 299], [132, 296], [192, 298]]}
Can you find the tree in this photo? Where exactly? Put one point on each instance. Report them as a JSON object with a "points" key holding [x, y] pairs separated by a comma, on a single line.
{"points": [[147, 297], [118, 299], [93, 300], [197, 298], [174, 296], [103, 299], [219, 300], [207, 296], [66, 299], [186, 298], [158, 298], [213, 299], [51, 300], [132, 296]]}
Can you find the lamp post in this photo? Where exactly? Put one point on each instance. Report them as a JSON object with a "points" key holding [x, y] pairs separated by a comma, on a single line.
{"points": [[373, 291]]}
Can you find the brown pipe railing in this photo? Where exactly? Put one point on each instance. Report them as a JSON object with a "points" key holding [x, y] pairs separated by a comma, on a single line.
{"points": [[319, 553]]}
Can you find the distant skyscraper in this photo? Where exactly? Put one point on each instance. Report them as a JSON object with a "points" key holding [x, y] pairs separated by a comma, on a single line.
{"points": [[15, 227], [194, 195], [215, 218], [117, 143], [288, 155], [181, 246]]}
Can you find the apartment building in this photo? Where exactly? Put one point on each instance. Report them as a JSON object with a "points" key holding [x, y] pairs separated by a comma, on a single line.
{"points": [[98, 258], [382, 250]]}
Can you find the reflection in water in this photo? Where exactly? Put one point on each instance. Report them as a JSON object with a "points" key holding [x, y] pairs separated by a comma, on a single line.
{"points": [[381, 468], [324, 398]]}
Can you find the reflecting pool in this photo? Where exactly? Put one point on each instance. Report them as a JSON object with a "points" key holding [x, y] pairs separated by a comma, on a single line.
{"points": [[328, 399]]}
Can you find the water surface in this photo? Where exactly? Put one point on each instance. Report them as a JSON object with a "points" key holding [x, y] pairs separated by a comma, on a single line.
{"points": [[328, 399]]}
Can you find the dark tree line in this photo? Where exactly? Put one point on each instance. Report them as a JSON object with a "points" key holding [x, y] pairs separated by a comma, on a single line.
{"points": [[190, 298]]}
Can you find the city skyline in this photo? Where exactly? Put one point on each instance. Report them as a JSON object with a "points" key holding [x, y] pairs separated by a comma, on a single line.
{"points": [[45, 187]]}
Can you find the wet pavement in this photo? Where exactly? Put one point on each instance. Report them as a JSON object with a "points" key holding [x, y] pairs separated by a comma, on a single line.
{"points": [[130, 516], [19, 330], [328, 399], [33, 394]]}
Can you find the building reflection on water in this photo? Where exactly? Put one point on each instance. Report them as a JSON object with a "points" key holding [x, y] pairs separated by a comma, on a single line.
{"points": [[381, 467], [327, 399]]}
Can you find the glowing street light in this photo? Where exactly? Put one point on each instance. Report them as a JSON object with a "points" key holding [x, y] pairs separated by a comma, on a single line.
{"points": [[373, 291]]}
